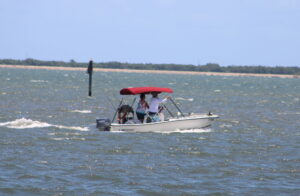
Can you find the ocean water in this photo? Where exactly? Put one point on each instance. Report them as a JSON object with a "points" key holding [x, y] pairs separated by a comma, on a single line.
{"points": [[49, 144]]}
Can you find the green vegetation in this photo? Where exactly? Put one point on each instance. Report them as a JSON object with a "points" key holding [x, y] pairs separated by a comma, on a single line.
{"points": [[210, 67]]}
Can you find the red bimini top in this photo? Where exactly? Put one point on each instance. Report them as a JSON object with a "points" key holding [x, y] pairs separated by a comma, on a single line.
{"points": [[146, 90]]}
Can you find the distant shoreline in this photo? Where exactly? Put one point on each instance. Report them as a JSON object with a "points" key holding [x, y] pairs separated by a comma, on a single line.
{"points": [[150, 71]]}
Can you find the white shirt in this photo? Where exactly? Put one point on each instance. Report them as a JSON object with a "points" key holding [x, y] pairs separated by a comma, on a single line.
{"points": [[154, 103]]}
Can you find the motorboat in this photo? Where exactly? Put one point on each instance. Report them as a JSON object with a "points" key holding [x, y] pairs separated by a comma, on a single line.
{"points": [[124, 116]]}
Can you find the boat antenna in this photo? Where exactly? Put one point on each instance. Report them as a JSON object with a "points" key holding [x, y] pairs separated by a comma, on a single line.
{"points": [[90, 72]]}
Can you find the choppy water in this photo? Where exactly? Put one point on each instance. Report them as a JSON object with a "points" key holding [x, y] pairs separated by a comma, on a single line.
{"points": [[49, 144]]}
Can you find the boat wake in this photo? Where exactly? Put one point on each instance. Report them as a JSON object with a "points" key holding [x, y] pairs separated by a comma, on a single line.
{"points": [[204, 130], [24, 123]]}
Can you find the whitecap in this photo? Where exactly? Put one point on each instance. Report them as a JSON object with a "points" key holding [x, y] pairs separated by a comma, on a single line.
{"points": [[73, 128], [65, 133], [79, 138], [67, 138], [288, 113], [51, 133], [82, 111], [39, 81], [24, 123], [184, 99], [224, 125], [262, 101], [59, 138]]}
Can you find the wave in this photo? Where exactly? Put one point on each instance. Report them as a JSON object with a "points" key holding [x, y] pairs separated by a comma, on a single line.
{"points": [[24, 123], [184, 99], [67, 138], [39, 81], [82, 111], [73, 128], [288, 113]]}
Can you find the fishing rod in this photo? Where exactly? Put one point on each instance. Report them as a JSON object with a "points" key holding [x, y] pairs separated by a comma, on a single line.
{"points": [[117, 110], [111, 103], [168, 110], [177, 107], [133, 101]]}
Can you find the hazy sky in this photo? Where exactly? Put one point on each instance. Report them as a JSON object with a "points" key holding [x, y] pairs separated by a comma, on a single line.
{"points": [[228, 32]]}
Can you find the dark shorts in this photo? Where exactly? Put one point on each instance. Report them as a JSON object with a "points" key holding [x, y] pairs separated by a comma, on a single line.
{"points": [[140, 116]]}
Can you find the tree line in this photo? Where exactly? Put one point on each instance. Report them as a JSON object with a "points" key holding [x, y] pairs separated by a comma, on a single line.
{"points": [[209, 67]]}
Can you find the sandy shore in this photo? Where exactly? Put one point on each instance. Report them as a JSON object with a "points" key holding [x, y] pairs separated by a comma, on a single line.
{"points": [[149, 71]]}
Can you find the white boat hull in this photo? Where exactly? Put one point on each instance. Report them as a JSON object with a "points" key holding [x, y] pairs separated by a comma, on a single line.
{"points": [[184, 123]]}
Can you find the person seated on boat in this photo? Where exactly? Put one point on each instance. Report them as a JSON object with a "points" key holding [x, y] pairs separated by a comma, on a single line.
{"points": [[154, 106], [125, 113], [141, 108]]}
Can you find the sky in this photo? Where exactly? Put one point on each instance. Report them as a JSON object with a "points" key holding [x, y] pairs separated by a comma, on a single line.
{"points": [[227, 32]]}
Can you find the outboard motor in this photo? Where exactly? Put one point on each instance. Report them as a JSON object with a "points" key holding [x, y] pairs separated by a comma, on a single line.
{"points": [[103, 124]]}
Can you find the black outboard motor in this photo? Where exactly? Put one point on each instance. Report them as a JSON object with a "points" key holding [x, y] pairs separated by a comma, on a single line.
{"points": [[103, 124]]}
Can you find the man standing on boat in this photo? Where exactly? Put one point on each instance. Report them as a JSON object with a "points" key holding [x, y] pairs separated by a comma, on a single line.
{"points": [[154, 104]]}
